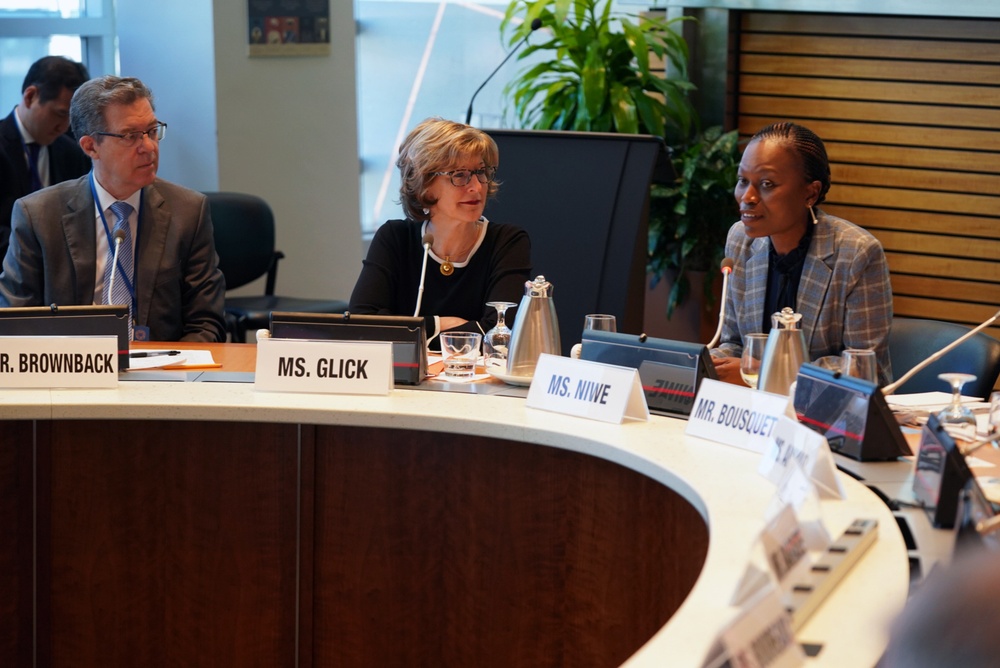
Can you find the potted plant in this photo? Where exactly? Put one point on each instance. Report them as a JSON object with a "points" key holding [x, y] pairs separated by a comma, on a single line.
{"points": [[689, 219], [600, 77]]}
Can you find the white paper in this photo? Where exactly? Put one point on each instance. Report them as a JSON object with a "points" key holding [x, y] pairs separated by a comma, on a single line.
{"points": [[928, 401]]}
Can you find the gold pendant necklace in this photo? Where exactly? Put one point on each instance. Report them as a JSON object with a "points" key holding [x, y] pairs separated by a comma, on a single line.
{"points": [[447, 268]]}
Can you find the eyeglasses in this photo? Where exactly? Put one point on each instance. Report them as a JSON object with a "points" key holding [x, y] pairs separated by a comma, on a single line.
{"points": [[130, 139], [461, 177]]}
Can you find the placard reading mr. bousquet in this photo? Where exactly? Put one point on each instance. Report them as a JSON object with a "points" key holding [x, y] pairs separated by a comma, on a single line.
{"points": [[735, 415], [333, 367], [58, 361]]}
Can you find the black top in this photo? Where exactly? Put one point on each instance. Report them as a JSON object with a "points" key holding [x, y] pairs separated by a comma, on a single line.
{"points": [[784, 273], [390, 277], [66, 161]]}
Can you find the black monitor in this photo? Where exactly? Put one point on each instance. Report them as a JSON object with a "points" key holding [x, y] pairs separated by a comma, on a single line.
{"points": [[670, 371], [940, 474], [406, 333], [590, 242], [852, 413], [89, 320]]}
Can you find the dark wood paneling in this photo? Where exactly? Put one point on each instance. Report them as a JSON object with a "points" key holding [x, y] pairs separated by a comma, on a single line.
{"points": [[985, 142], [884, 46], [440, 550], [825, 24], [173, 544], [880, 69], [916, 115], [918, 221], [16, 551]]}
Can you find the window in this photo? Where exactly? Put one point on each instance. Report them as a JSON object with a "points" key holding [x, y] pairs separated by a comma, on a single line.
{"points": [[416, 59], [29, 29]]}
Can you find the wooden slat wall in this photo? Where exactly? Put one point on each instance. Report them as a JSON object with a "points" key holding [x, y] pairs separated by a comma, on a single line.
{"points": [[909, 109]]}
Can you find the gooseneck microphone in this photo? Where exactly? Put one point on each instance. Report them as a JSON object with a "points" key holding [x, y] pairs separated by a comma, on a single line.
{"points": [[427, 241], [726, 268], [119, 238], [535, 25], [892, 387]]}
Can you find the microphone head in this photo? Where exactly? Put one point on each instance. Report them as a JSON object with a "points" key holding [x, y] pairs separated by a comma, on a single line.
{"points": [[428, 240], [727, 265], [536, 24], [119, 236]]}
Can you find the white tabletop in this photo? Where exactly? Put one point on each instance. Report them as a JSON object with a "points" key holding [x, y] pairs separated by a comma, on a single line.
{"points": [[721, 482]]}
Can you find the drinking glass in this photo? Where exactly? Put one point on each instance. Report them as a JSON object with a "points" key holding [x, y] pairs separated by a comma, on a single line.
{"points": [[860, 363], [993, 422], [497, 338], [601, 322], [957, 416], [753, 355], [460, 351]]}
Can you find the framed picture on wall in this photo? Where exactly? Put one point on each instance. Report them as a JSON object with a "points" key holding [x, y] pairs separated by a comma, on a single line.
{"points": [[288, 27]]}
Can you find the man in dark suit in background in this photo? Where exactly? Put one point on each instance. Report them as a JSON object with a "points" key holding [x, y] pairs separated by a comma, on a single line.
{"points": [[35, 151], [63, 237]]}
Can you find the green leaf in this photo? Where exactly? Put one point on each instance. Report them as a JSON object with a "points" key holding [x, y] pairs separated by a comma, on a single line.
{"points": [[637, 44], [593, 87], [623, 109]]}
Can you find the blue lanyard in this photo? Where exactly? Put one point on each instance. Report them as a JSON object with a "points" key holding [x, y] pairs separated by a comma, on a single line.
{"points": [[111, 243]]}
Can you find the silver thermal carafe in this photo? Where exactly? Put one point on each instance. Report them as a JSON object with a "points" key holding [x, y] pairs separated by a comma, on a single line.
{"points": [[536, 329], [784, 353]]}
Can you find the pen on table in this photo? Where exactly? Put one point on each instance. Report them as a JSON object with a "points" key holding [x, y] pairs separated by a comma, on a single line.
{"points": [[155, 353]]}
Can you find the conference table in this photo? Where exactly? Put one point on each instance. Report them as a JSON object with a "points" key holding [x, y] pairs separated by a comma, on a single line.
{"points": [[188, 522]]}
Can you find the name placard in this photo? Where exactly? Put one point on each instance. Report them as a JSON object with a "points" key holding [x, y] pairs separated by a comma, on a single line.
{"points": [[795, 444], [761, 636], [58, 361], [587, 389], [783, 543], [735, 415], [327, 367]]}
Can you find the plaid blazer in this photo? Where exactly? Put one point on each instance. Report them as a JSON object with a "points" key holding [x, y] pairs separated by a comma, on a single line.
{"points": [[845, 297]]}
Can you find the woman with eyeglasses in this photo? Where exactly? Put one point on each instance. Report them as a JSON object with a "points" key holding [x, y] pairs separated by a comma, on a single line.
{"points": [[447, 173]]}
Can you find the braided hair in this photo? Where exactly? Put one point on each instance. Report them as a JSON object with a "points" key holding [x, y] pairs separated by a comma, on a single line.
{"points": [[807, 145]]}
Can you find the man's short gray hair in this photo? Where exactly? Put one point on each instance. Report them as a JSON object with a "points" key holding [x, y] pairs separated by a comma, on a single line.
{"points": [[86, 111]]}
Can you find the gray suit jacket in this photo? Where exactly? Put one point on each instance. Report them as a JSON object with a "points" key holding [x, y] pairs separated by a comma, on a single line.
{"points": [[845, 297], [52, 258]]}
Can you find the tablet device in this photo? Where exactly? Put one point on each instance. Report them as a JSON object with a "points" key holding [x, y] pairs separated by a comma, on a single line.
{"points": [[852, 413], [89, 320], [406, 333], [670, 371]]}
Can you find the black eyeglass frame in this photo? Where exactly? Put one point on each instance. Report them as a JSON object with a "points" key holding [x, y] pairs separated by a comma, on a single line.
{"points": [[129, 139], [483, 175]]}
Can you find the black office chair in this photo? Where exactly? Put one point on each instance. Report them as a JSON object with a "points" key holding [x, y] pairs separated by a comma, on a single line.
{"points": [[912, 340], [244, 240]]}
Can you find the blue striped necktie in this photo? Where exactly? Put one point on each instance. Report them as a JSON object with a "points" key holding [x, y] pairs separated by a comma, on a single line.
{"points": [[122, 293], [34, 149]]}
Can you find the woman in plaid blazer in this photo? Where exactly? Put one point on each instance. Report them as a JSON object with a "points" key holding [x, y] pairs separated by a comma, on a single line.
{"points": [[788, 252]]}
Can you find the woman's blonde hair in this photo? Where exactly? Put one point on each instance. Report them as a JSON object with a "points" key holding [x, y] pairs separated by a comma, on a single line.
{"points": [[437, 145]]}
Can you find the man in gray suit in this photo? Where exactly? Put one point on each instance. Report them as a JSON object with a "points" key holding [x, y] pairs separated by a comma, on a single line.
{"points": [[35, 150], [62, 244]]}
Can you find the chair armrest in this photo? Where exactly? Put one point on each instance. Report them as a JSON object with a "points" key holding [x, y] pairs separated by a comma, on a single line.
{"points": [[272, 273]]}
